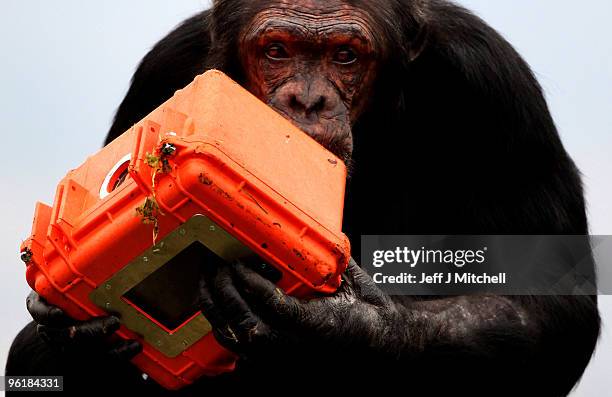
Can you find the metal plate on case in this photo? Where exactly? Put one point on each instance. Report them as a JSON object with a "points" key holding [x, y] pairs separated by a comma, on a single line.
{"points": [[108, 295]]}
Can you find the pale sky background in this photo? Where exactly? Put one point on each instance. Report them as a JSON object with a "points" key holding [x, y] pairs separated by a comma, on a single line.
{"points": [[66, 64]]}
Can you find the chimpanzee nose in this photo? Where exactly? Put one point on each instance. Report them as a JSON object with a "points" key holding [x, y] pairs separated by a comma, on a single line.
{"points": [[307, 104], [306, 99]]}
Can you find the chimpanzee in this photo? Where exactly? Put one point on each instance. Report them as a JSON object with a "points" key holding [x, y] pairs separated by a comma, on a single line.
{"points": [[445, 131]]}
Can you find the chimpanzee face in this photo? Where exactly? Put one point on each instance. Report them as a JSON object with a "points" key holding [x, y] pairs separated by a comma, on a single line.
{"points": [[314, 62]]}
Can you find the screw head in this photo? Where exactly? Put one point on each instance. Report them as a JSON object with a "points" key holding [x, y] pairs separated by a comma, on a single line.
{"points": [[168, 149]]}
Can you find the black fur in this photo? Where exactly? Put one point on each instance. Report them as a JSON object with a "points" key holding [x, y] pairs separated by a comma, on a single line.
{"points": [[457, 140]]}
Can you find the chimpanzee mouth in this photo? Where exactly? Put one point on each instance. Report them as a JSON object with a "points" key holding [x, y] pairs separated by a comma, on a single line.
{"points": [[331, 134], [340, 143]]}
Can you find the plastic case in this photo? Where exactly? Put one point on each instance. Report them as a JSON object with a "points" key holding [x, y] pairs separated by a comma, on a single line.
{"points": [[211, 175]]}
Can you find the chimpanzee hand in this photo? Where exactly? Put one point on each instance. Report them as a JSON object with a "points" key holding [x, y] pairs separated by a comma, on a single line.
{"points": [[68, 335], [251, 316]]}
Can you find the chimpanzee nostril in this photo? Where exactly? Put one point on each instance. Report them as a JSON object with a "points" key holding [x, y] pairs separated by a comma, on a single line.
{"points": [[307, 105], [307, 99], [294, 104], [317, 106]]}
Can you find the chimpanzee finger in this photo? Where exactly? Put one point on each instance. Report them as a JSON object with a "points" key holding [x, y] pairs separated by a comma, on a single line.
{"points": [[125, 349], [355, 281], [221, 329], [264, 293], [44, 313], [93, 329], [52, 335], [85, 332], [245, 328], [256, 338], [208, 307]]}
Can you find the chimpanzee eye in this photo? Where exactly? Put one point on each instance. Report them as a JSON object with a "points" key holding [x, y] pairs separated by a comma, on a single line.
{"points": [[276, 52], [345, 56]]}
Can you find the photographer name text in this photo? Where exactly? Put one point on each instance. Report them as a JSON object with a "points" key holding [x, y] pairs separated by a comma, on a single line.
{"points": [[440, 278]]}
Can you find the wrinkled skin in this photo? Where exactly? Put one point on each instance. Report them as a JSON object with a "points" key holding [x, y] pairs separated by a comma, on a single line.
{"points": [[254, 318], [251, 315], [314, 62]]}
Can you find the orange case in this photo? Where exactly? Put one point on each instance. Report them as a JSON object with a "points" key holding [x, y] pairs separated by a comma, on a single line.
{"points": [[238, 163]]}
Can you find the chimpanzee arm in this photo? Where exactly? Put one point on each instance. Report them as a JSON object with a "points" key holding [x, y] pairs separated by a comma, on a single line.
{"points": [[530, 345], [547, 339]]}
